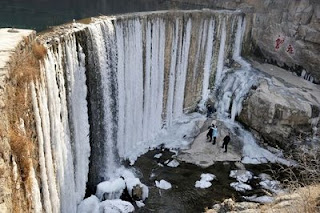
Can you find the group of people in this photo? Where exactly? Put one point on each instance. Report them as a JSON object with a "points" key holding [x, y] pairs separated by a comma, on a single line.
{"points": [[213, 134]]}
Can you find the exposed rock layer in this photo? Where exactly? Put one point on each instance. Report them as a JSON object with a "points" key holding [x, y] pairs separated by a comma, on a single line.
{"points": [[296, 22], [282, 106]]}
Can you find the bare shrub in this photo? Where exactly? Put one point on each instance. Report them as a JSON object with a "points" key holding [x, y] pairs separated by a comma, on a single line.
{"points": [[39, 51], [21, 145], [305, 171]]}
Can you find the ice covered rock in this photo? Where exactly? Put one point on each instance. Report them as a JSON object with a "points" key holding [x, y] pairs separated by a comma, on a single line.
{"points": [[173, 163], [204, 182], [271, 185], [162, 184], [261, 199], [240, 187], [115, 206], [89, 205], [109, 190], [241, 175], [157, 155]]}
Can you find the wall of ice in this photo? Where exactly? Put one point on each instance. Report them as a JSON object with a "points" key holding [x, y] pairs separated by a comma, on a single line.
{"points": [[109, 87]]}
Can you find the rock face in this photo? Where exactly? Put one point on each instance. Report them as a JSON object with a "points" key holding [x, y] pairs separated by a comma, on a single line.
{"points": [[282, 106], [293, 25], [12, 194]]}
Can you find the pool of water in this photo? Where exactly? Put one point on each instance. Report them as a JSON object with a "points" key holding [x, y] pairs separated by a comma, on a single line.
{"points": [[184, 196]]}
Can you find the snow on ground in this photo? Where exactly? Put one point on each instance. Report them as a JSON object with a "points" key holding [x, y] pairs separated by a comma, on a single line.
{"points": [[162, 184], [241, 175], [204, 182], [240, 187], [262, 199], [173, 163]]}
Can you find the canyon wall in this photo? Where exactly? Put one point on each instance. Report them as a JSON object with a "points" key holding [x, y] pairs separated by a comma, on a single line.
{"points": [[286, 33]]}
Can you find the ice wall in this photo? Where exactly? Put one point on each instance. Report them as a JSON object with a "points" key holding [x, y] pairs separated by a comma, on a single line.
{"points": [[109, 87]]}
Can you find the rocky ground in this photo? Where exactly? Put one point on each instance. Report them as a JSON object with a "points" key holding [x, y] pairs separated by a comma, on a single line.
{"points": [[302, 200], [204, 153]]}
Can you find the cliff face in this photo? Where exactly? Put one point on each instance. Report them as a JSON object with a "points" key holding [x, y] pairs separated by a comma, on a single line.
{"points": [[284, 32], [15, 196]]}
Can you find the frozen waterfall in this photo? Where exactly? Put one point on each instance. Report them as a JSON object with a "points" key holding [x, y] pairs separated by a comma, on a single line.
{"points": [[231, 89], [112, 89]]}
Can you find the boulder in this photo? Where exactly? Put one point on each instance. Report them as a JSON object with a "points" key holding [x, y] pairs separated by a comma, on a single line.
{"points": [[137, 192], [281, 107]]}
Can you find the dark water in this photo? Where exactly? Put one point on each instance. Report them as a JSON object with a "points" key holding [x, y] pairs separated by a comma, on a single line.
{"points": [[183, 196], [40, 14]]}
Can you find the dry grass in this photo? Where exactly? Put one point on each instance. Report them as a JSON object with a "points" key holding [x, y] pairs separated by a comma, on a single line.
{"points": [[24, 69], [302, 200], [39, 51], [19, 108], [21, 144]]}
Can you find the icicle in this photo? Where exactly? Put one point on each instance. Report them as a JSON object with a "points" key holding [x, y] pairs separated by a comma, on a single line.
{"points": [[220, 63], [182, 66], [207, 64], [43, 169]]}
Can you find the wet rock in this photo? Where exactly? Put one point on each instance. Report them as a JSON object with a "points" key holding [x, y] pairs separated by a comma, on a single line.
{"points": [[137, 192]]}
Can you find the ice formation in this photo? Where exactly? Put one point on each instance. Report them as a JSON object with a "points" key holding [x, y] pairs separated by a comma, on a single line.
{"points": [[205, 181], [162, 184]]}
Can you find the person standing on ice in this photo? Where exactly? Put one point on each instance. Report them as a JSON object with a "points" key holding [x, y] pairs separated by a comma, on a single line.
{"points": [[214, 134], [209, 134], [226, 140], [210, 110]]}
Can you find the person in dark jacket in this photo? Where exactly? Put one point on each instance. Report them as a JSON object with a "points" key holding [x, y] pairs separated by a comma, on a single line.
{"points": [[209, 134], [226, 140], [210, 110]]}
